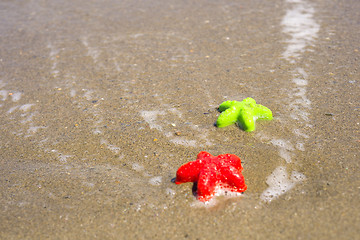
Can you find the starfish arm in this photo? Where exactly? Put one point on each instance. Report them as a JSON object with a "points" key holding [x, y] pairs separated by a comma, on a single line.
{"points": [[227, 104], [233, 178], [204, 155], [246, 119], [231, 159], [207, 182], [262, 112], [189, 172], [249, 100], [228, 117]]}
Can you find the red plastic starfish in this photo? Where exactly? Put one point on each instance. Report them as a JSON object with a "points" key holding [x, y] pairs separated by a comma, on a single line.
{"points": [[210, 172]]}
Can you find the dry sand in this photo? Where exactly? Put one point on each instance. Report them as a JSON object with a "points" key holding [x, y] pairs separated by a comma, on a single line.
{"points": [[102, 101]]}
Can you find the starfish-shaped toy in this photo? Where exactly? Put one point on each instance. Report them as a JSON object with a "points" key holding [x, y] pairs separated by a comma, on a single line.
{"points": [[245, 113], [209, 172]]}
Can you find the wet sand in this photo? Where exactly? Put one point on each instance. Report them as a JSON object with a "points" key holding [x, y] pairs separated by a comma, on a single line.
{"points": [[102, 102]]}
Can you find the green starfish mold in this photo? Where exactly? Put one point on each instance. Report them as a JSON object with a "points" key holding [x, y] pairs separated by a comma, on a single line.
{"points": [[245, 113]]}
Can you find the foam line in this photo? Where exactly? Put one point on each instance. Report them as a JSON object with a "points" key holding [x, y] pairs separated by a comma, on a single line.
{"points": [[299, 24]]}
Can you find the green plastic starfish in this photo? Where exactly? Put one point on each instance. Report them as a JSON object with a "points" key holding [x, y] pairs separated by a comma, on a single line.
{"points": [[245, 113]]}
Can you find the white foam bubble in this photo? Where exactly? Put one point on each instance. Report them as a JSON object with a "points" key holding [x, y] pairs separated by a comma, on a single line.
{"points": [[156, 181], [300, 133], [88, 94], [168, 127], [34, 129], [113, 148], [184, 142], [294, 1], [300, 146], [285, 144], [297, 177], [53, 55], [299, 92], [176, 111], [16, 96], [209, 204], [53, 51], [301, 102], [300, 82], [286, 155], [88, 184], [62, 157], [26, 107], [150, 117], [92, 51], [12, 109], [97, 131], [219, 192], [279, 183], [72, 93], [28, 118], [298, 114], [170, 191], [137, 167], [302, 72], [4, 94]]}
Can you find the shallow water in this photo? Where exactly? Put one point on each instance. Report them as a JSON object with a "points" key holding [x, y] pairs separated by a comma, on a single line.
{"points": [[102, 102]]}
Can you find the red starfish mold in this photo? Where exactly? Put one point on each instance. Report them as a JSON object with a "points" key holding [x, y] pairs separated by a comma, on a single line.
{"points": [[209, 172]]}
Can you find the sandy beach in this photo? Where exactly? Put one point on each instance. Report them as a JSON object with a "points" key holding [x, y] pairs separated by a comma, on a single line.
{"points": [[102, 101]]}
